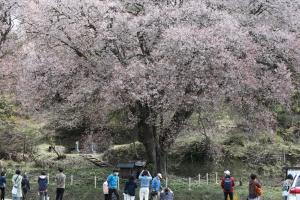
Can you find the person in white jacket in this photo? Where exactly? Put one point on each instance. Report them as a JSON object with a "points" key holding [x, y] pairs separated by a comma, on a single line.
{"points": [[105, 190], [17, 186]]}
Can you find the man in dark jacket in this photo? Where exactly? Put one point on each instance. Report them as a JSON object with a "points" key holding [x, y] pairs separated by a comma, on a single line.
{"points": [[2, 185], [25, 186], [227, 185]]}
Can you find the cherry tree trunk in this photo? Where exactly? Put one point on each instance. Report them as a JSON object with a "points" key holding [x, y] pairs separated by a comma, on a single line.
{"points": [[155, 153]]}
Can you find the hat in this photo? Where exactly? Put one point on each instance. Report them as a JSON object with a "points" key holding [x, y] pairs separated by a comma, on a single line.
{"points": [[227, 172], [159, 175]]}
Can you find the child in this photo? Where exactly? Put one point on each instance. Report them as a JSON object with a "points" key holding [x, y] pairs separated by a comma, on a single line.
{"points": [[105, 190]]}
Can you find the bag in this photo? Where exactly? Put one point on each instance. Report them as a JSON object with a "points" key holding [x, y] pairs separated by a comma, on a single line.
{"points": [[235, 197], [14, 190], [285, 193], [154, 193], [228, 184], [258, 191]]}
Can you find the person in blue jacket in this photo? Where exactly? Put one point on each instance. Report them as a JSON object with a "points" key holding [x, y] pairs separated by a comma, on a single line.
{"points": [[145, 178], [155, 187], [113, 181]]}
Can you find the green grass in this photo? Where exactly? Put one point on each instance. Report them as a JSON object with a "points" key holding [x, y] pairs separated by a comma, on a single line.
{"points": [[213, 191], [83, 186]]}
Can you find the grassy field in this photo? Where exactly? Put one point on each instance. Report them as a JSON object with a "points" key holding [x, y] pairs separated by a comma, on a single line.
{"points": [[83, 187]]}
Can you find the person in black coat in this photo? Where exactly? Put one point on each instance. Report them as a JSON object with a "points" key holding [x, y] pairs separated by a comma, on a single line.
{"points": [[129, 189], [25, 186]]}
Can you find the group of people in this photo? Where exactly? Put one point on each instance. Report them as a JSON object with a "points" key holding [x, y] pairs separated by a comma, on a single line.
{"points": [[227, 184], [150, 188], [21, 185], [254, 187]]}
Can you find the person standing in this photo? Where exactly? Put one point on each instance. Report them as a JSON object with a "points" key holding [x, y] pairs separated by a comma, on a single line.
{"points": [[129, 189], [167, 194], [17, 186], [227, 185], [113, 181], [155, 187], [253, 185], [105, 190], [145, 178], [287, 184], [2, 185], [43, 186], [60, 184], [25, 186]]}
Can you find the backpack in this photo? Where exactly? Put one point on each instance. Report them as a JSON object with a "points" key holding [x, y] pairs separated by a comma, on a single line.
{"points": [[228, 184], [258, 191]]}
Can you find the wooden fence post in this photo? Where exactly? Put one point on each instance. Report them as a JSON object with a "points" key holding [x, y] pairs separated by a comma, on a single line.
{"points": [[207, 178], [71, 179], [166, 182]]}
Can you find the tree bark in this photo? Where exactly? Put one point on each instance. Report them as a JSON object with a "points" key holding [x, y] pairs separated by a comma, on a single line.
{"points": [[155, 152], [157, 143]]}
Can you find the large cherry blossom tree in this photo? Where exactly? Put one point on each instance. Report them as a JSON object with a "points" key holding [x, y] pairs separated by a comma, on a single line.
{"points": [[160, 61]]}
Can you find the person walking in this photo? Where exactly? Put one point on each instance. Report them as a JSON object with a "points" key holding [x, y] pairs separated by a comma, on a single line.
{"points": [[227, 185], [145, 178], [287, 184], [43, 186], [2, 185], [167, 194], [60, 184], [129, 189], [155, 187], [113, 181], [17, 186], [25, 186], [253, 185]]}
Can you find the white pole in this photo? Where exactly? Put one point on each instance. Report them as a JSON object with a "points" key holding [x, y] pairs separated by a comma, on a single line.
{"points": [[166, 182], [189, 183], [95, 182], [48, 176], [71, 179], [216, 177], [207, 178], [199, 179]]}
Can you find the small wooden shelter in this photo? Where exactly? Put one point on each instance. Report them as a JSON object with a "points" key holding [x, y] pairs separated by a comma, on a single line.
{"points": [[130, 168]]}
